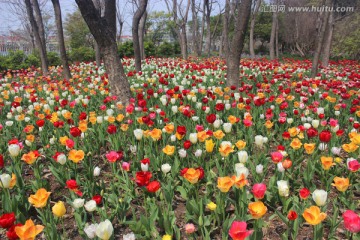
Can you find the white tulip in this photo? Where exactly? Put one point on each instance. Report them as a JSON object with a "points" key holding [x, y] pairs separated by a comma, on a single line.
{"points": [[227, 127], [280, 167], [319, 196], [193, 138], [315, 123], [61, 159], [241, 169], [165, 168], [97, 171], [90, 206], [129, 236], [243, 156], [198, 153], [138, 134], [259, 169], [104, 230], [182, 153], [217, 123], [259, 140], [90, 230], [78, 203], [5, 180], [283, 187], [14, 150]]}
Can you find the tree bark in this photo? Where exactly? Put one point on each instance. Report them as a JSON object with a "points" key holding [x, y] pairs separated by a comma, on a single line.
{"points": [[272, 36], [135, 33], [61, 41], [252, 28], [142, 35], [207, 14], [327, 41], [195, 33], [39, 21], [319, 44], [104, 36], [237, 43], [277, 39], [97, 5], [225, 33], [38, 41]]}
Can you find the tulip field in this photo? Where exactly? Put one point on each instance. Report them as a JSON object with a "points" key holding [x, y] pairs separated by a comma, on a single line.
{"points": [[188, 158]]}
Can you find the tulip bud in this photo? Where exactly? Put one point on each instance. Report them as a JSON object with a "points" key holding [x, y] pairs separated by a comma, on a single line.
{"points": [[97, 171], [5, 180], [243, 156], [59, 209], [193, 138], [259, 169]]}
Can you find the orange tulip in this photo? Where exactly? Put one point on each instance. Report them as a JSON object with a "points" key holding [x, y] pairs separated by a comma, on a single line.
{"points": [[309, 147], [240, 144], [28, 231], [239, 182], [155, 134], [219, 134], [257, 209], [76, 155], [169, 150], [224, 184], [327, 162], [341, 184], [313, 215], [225, 149], [351, 147], [296, 144], [39, 199], [192, 175], [29, 158]]}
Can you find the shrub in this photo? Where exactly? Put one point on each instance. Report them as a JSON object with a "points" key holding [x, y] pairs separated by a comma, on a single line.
{"points": [[82, 54], [32, 60], [126, 49], [149, 48], [53, 59]]}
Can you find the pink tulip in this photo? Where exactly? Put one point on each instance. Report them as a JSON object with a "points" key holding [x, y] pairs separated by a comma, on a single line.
{"points": [[259, 190], [351, 221], [112, 156], [238, 230], [276, 157]]}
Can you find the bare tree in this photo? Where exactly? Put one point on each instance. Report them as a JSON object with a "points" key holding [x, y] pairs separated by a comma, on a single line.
{"points": [[196, 38], [142, 34], [38, 41], [252, 27], [39, 21], [120, 18], [103, 32], [98, 5], [60, 36], [273, 33], [135, 33], [320, 40], [180, 20], [241, 12]]}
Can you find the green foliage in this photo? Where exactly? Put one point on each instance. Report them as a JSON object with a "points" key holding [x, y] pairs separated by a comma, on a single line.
{"points": [[54, 59], [32, 60], [168, 49], [16, 59], [149, 48], [77, 31], [82, 54], [126, 49]]}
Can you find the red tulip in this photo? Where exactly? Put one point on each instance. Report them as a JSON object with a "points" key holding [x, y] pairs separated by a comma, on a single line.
{"points": [[292, 215], [111, 129], [143, 178], [75, 131], [11, 234], [153, 186], [1, 161], [325, 136], [97, 198], [211, 118], [304, 193], [7, 220]]}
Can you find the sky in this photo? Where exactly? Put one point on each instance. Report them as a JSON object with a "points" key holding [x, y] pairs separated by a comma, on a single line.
{"points": [[10, 21]]}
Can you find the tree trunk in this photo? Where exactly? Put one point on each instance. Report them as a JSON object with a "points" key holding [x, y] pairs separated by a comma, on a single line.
{"points": [[38, 42], [60, 36], [104, 36], [183, 42], [327, 41], [39, 22], [237, 43], [142, 35], [272, 36], [277, 39], [97, 55], [252, 28], [195, 37], [135, 33], [208, 29], [319, 44], [225, 33]]}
